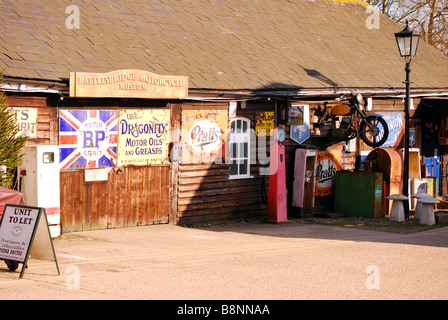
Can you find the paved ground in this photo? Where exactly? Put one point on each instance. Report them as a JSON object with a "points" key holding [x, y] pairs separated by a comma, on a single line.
{"points": [[246, 261]]}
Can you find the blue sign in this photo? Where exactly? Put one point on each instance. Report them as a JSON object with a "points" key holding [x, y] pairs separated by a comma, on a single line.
{"points": [[300, 123], [411, 136], [87, 138], [300, 133], [395, 122]]}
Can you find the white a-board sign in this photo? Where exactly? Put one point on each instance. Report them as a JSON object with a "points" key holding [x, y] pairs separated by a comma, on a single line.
{"points": [[24, 231]]}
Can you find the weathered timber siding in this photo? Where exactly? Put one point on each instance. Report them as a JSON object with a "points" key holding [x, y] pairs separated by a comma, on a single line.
{"points": [[204, 191], [132, 196]]}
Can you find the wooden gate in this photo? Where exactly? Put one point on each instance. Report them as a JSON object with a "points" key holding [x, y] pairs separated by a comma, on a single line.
{"points": [[131, 196]]}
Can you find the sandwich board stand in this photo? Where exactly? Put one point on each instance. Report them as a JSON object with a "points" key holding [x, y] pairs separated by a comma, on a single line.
{"points": [[24, 232]]}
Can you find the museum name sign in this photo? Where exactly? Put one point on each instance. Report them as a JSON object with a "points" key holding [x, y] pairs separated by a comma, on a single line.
{"points": [[127, 83]]}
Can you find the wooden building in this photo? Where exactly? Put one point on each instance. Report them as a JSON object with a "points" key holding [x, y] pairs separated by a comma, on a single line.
{"points": [[199, 80]]}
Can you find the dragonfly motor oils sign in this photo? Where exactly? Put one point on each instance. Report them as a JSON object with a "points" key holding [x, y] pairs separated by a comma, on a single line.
{"points": [[144, 136]]}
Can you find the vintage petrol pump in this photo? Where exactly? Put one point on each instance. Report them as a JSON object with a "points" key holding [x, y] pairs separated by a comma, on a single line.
{"points": [[277, 199], [40, 183]]}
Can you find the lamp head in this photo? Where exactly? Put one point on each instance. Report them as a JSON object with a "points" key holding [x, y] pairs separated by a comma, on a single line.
{"points": [[407, 41]]}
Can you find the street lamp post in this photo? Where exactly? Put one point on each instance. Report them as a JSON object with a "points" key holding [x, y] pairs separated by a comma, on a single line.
{"points": [[407, 41]]}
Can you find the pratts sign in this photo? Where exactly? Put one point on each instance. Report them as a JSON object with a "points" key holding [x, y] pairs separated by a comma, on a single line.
{"points": [[128, 83], [203, 135]]}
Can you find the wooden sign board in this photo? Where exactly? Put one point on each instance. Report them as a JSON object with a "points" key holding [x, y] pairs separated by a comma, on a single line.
{"points": [[128, 83], [24, 231]]}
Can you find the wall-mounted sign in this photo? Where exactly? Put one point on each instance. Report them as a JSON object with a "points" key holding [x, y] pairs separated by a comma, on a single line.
{"points": [[395, 122], [87, 138], [97, 175], [143, 136], [128, 83], [299, 116], [27, 120], [264, 123], [411, 136], [326, 167], [203, 134]]}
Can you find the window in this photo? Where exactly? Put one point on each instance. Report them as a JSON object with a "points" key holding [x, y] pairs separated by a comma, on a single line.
{"points": [[239, 148]]}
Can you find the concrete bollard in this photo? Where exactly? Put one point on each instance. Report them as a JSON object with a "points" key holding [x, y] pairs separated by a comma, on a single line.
{"points": [[418, 206], [397, 210], [427, 212]]}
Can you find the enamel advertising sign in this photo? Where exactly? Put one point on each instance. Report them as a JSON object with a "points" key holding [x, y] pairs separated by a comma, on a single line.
{"points": [[87, 138], [264, 123], [326, 167], [203, 134], [300, 123], [395, 122], [27, 121], [144, 136]]}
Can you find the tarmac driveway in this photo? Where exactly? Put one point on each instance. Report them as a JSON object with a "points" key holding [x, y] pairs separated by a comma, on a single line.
{"points": [[244, 261]]}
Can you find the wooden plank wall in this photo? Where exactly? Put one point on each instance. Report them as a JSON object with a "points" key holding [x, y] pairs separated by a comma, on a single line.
{"points": [[132, 196], [205, 193]]}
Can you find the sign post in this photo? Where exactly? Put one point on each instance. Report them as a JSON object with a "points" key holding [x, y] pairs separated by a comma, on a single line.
{"points": [[24, 231]]}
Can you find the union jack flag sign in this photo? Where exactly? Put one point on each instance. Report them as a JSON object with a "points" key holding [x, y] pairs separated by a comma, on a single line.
{"points": [[87, 138]]}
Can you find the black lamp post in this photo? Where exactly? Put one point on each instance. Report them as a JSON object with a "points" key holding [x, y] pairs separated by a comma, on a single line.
{"points": [[407, 41]]}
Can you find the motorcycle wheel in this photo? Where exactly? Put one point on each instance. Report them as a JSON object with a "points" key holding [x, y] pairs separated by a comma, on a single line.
{"points": [[370, 130]]}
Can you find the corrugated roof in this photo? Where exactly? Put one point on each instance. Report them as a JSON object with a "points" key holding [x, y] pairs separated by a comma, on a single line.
{"points": [[218, 44]]}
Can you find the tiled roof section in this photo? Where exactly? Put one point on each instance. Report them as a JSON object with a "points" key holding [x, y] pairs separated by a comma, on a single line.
{"points": [[219, 44]]}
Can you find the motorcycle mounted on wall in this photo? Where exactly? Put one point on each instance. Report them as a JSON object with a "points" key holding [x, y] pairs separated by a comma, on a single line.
{"points": [[344, 122]]}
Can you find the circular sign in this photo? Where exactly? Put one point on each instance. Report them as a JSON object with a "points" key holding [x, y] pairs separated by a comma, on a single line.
{"points": [[93, 141], [16, 231], [281, 134], [326, 171], [204, 136], [326, 168]]}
